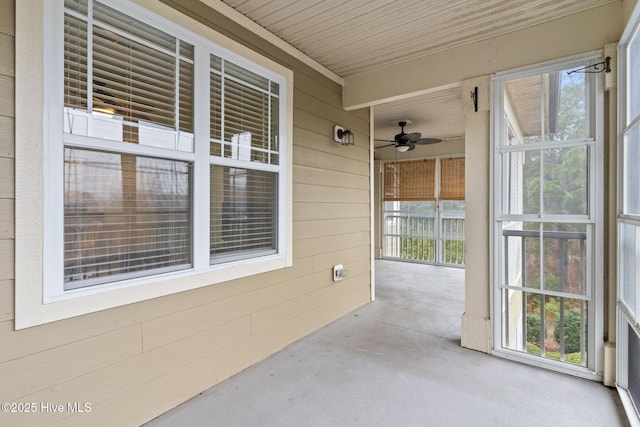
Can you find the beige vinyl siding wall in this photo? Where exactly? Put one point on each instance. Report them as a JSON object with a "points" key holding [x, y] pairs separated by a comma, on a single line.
{"points": [[7, 154], [134, 362]]}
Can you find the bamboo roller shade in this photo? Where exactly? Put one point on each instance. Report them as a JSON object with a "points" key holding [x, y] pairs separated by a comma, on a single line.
{"points": [[411, 180], [416, 180], [452, 179]]}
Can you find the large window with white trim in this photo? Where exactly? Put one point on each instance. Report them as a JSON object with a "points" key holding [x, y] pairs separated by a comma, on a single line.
{"points": [[165, 153]]}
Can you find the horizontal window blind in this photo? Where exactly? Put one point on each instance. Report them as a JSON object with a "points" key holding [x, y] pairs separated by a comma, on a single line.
{"points": [[249, 104], [452, 179], [75, 62], [125, 216], [410, 180], [137, 74], [243, 212]]}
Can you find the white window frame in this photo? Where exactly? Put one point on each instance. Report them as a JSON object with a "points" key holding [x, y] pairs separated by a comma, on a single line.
{"points": [[593, 219], [628, 319], [39, 299]]}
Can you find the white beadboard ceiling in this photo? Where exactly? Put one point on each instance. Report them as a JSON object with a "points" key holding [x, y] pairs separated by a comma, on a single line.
{"points": [[352, 36]]}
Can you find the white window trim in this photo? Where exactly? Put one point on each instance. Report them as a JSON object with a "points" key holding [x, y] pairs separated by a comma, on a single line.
{"points": [[34, 303], [626, 319]]}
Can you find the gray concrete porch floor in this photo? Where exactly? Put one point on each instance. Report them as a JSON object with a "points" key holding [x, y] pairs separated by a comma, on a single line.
{"points": [[398, 362]]}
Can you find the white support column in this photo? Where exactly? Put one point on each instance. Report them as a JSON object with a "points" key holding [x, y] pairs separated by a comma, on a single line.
{"points": [[476, 320]]}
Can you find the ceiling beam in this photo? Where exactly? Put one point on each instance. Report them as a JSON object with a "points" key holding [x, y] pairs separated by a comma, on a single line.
{"points": [[569, 35]]}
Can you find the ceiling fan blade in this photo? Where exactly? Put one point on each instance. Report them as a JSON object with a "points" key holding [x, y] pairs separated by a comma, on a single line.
{"points": [[424, 141], [411, 145], [384, 146], [412, 137]]}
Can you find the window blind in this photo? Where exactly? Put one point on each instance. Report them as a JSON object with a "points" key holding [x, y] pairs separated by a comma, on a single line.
{"points": [[125, 216], [452, 179], [242, 212], [410, 180], [250, 104], [129, 213], [135, 73]]}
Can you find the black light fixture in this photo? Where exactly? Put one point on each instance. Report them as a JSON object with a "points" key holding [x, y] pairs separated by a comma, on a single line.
{"points": [[343, 136]]}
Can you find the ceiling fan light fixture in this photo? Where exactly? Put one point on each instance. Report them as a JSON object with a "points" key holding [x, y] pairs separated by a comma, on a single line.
{"points": [[407, 141]]}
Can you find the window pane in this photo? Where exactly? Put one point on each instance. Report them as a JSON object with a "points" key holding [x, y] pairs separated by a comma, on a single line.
{"points": [[76, 5], [521, 252], [565, 260], [125, 216], [246, 111], [134, 80], [566, 181], [512, 182], [631, 184], [136, 94], [530, 181], [186, 96], [548, 107], [249, 77], [633, 77], [215, 108], [106, 16], [548, 326], [513, 251], [275, 130], [628, 270], [571, 119], [75, 62], [633, 355], [521, 185], [243, 212], [250, 111]]}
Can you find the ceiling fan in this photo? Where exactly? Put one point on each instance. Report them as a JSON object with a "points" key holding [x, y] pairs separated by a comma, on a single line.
{"points": [[407, 141]]}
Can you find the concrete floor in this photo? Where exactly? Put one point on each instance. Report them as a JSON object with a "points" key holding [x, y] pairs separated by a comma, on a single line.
{"points": [[398, 362]]}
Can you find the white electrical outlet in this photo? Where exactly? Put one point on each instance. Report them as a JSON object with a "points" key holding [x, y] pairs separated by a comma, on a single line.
{"points": [[338, 270]]}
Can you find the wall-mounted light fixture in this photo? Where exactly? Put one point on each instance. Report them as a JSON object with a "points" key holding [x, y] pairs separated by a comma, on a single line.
{"points": [[342, 135]]}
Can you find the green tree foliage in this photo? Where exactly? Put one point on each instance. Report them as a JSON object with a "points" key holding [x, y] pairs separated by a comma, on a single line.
{"points": [[555, 181], [533, 329], [572, 333]]}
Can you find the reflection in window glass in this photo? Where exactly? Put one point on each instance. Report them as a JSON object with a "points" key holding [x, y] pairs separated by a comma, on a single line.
{"points": [[631, 183], [629, 274], [548, 107], [242, 213], [125, 216], [142, 80], [514, 189], [565, 181], [633, 77], [564, 252]]}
